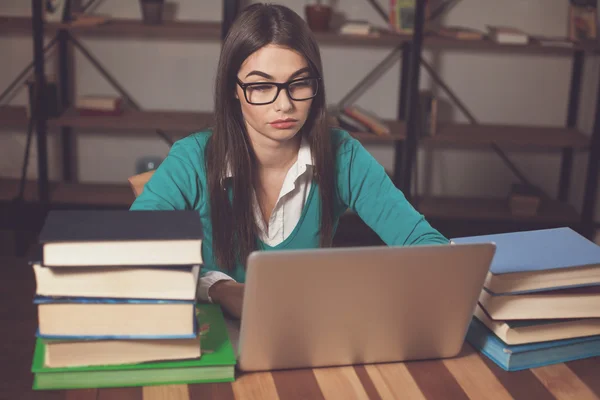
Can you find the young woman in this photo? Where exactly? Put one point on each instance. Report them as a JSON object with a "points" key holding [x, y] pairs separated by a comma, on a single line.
{"points": [[271, 174]]}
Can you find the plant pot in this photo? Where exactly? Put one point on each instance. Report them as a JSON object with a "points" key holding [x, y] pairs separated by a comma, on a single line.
{"points": [[152, 11], [318, 17]]}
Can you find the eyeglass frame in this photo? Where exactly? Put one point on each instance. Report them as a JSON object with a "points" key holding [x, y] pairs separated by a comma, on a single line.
{"points": [[280, 86]]}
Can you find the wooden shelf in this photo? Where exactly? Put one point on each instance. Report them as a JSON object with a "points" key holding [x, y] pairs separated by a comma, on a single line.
{"points": [[63, 193], [123, 28], [13, 117], [469, 135], [492, 209], [137, 122], [211, 31], [438, 42], [397, 128]]}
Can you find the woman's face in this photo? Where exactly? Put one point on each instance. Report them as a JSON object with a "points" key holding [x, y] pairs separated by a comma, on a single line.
{"points": [[280, 120]]}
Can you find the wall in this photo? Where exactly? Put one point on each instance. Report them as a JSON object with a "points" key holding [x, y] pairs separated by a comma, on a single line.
{"points": [[523, 89]]}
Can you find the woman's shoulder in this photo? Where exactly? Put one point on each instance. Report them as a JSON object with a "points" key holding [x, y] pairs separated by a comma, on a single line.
{"points": [[342, 141], [192, 145]]}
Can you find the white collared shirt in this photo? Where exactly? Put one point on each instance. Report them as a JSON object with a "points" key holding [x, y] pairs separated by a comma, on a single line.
{"points": [[285, 216]]}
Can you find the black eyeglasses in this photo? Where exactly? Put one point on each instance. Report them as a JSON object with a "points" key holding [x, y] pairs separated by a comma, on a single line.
{"points": [[260, 93]]}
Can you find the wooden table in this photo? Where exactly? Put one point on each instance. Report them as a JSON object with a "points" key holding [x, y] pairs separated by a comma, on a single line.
{"points": [[467, 376]]}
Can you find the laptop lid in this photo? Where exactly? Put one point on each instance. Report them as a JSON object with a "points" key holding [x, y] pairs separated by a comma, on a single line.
{"points": [[343, 306]]}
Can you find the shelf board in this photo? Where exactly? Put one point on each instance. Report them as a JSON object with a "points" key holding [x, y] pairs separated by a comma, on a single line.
{"points": [[64, 193], [381, 40], [438, 42], [492, 209], [13, 117], [470, 135], [398, 133], [137, 122], [123, 28]]}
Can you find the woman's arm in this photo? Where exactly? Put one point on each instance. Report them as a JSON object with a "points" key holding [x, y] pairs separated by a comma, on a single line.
{"points": [[366, 188]]}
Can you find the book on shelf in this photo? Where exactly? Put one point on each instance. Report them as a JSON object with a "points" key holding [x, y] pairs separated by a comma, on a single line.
{"points": [[77, 238], [460, 33], [368, 119], [428, 106], [145, 282], [579, 302], [356, 27], [537, 260], [216, 363], [538, 330], [351, 124], [401, 16], [507, 35], [524, 200], [99, 106], [531, 355], [103, 318], [582, 20]]}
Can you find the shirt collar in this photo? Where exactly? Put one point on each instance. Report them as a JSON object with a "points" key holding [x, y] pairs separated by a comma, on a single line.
{"points": [[304, 158]]}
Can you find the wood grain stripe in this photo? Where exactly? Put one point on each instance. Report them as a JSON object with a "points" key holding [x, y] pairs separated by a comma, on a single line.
{"points": [[588, 370], [340, 383], [563, 383], [255, 386], [297, 384], [434, 380], [128, 393], [367, 382], [474, 376], [520, 384], [166, 392], [82, 394], [393, 381], [211, 391]]}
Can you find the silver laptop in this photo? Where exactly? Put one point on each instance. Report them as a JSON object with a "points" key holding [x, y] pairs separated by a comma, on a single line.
{"points": [[344, 306]]}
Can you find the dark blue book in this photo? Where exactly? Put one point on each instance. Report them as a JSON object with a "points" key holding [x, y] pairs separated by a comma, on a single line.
{"points": [[539, 260], [121, 237], [76, 318], [533, 355]]}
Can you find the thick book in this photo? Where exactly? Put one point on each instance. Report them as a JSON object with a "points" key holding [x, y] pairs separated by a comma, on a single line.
{"points": [[121, 237], [88, 352], [216, 364], [159, 283], [538, 260], [75, 318], [579, 302], [539, 330], [525, 356]]}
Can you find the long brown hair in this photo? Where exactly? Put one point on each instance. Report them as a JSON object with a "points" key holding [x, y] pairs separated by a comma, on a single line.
{"points": [[234, 229]]}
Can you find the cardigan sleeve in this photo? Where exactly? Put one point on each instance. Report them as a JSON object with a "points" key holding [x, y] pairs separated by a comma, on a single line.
{"points": [[365, 187]]}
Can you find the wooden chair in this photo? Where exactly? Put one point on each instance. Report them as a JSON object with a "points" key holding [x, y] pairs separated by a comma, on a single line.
{"points": [[137, 182]]}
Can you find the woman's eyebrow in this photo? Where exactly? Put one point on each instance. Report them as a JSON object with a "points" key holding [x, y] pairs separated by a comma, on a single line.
{"points": [[267, 76]]}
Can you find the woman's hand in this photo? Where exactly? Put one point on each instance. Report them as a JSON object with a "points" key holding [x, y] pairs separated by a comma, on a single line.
{"points": [[230, 295]]}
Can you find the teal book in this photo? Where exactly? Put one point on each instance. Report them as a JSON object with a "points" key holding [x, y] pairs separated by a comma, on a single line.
{"points": [[531, 355], [537, 260], [216, 364]]}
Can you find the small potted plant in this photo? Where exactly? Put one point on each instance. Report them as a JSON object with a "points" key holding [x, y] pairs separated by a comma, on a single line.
{"points": [[318, 16]]}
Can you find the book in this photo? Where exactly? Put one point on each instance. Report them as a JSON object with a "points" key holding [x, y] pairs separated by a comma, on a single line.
{"points": [[99, 103], [76, 238], [356, 27], [539, 330], [579, 302], [76, 318], [369, 119], [582, 20], [88, 352], [216, 364], [460, 33], [524, 356], [159, 282], [538, 260], [507, 35]]}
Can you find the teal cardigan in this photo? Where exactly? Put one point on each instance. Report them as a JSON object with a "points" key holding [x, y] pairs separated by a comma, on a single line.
{"points": [[180, 182]]}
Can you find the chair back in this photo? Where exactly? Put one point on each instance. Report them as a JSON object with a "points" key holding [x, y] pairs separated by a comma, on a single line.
{"points": [[137, 182]]}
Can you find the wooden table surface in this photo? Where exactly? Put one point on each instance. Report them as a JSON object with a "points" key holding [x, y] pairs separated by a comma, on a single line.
{"points": [[467, 376]]}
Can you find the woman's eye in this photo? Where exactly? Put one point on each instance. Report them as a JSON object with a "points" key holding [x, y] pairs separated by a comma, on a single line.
{"points": [[261, 88]]}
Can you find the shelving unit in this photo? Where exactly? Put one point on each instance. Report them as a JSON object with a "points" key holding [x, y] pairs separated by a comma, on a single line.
{"points": [[404, 139]]}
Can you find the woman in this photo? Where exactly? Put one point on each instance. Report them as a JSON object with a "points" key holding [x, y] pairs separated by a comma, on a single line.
{"points": [[271, 174]]}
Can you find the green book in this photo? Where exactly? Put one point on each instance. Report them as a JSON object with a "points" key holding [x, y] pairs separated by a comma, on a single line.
{"points": [[217, 363]]}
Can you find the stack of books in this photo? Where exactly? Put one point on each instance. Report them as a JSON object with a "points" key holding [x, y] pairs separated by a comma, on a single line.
{"points": [[115, 295], [357, 119], [540, 303]]}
